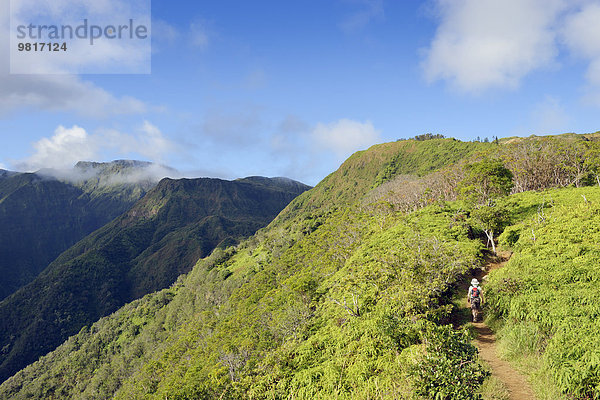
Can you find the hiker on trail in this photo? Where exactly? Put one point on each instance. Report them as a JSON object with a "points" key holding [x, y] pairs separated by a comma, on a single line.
{"points": [[474, 298]]}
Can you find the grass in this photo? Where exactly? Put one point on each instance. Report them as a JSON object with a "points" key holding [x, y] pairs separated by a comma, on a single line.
{"points": [[494, 389]]}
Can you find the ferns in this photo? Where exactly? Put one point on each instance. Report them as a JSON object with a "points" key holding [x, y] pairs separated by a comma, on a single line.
{"points": [[548, 294]]}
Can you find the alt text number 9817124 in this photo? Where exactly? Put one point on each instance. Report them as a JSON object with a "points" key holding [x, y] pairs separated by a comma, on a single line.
{"points": [[41, 46]]}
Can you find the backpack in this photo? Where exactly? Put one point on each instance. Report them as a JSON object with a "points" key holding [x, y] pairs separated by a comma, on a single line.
{"points": [[475, 292]]}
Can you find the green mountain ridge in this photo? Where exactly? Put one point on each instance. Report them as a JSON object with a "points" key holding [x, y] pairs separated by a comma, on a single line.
{"points": [[142, 251], [366, 170], [348, 293]]}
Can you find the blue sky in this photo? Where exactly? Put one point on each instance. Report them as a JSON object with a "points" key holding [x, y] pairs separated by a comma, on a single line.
{"points": [[292, 88]]}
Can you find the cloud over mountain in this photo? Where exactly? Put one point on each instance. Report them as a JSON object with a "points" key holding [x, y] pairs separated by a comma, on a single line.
{"points": [[69, 145]]}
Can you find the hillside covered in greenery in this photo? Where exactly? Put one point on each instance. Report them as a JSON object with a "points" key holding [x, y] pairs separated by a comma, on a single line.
{"points": [[546, 302], [348, 292], [43, 214], [143, 250]]}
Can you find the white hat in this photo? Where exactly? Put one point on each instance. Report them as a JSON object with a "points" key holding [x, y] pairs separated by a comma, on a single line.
{"points": [[474, 282]]}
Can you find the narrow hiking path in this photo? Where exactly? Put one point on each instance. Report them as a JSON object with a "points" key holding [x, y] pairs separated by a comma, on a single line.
{"points": [[517, 385], [514, 382]]}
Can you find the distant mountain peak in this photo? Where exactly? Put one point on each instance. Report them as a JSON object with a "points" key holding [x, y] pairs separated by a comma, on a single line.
{"points": [[121, 163], [117, 172]]}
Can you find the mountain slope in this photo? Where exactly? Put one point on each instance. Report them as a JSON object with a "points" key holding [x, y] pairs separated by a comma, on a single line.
{"points": [[143, 250], [42, 215], [346, 295], [237, 308], [366, 170]]}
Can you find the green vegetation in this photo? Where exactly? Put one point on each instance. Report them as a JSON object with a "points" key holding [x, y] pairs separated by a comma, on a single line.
{"points": [[546, 299], [348, 293], [421, 158], [42, 217], [426, 136], [494, 389], [316, 305], [485, 180], [142, 251], [335, 314]]}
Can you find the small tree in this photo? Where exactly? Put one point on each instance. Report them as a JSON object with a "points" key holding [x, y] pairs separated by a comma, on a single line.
{"points": [[484, 182], [491, 218]]}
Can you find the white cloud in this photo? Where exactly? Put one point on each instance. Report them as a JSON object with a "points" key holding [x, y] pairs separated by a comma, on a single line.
{"points": [[581, 33], [308, 153], [56, 92], [485, 44], [149, 142], [152, 144], [345, 136], [61, 151], [580, 28], [291, 147], [62, 93], [69, 145], [482, 44], [198, 34]]}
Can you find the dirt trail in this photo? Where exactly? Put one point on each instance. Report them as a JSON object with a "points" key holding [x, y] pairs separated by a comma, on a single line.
{"points": [[516, 384]]}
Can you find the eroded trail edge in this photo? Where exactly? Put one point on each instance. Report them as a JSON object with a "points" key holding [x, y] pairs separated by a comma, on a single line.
{"points": [[515, 382]]}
